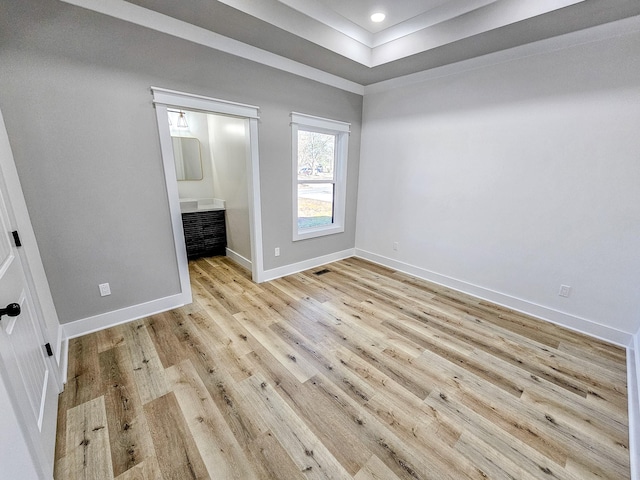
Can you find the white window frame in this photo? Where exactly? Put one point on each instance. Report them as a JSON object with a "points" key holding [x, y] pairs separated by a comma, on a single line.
{"points": [[341, 130]]}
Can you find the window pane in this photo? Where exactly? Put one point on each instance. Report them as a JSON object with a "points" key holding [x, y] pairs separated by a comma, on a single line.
{"points": [[316, 155], [315, 205]]}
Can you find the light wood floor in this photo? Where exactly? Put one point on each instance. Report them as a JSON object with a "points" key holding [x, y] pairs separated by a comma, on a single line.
{"points": [[358, 372]]}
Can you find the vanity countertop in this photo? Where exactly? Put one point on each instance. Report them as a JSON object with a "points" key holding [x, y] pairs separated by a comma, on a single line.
{"points": [[192, 205], [203, 208]]}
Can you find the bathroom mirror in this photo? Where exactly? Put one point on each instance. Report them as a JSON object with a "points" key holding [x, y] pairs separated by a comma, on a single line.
{"points": [[186, 152]]}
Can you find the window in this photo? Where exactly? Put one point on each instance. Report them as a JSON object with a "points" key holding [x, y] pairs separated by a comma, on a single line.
{"points": [[320, 172]]}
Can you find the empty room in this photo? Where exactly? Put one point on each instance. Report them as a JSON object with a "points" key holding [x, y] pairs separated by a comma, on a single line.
{"points": [[294, 239]]}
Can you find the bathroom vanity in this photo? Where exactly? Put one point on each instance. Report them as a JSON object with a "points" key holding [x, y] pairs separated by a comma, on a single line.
{"points": [[205, 230]]}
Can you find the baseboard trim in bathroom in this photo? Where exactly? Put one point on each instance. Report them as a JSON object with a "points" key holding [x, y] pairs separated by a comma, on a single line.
{"points": [[239, 259]]}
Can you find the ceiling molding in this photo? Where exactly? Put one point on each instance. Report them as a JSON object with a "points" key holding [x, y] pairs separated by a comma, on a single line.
{"points": [[434, 16], [162, 23], [276, 13], [447, 23], [314, 10], [490, 17], [514, 41], [627, 26]]}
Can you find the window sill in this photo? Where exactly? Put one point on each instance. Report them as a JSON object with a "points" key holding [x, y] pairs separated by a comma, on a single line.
{"points": [[317, 232]]}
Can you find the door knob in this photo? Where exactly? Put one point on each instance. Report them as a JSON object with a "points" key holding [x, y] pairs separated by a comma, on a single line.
{"points": [[12, 310]]}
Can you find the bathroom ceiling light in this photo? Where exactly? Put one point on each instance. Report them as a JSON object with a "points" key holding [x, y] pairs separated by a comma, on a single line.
{"points": [[182, 121], [378, 17]]}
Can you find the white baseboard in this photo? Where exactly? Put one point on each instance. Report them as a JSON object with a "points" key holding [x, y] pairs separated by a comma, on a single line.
{"points": [[59, 359], [239, 259], [64, 360], [305, 265], [572, 322], [59, 347], [124, 315], [633, 397]]}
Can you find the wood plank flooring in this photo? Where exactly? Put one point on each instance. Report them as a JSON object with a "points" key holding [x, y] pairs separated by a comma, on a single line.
{"points": [[359, 372]]}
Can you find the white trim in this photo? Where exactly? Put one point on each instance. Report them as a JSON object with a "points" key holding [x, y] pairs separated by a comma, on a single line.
{"points": [[201, 36], [314, 22], [320, 122], [163, 97], [636, 347], [239, 259], [326, 27], [64, 359], [348, 40], [633, 397], [315, 232], [59, 352], [102, 321], [316, 11], [43, 396], [572, 322], [421, 32], [437, 15], [340, 130], [306, 264], [459, 27], [8, 261], [162, 23], [200, 102], [171, 182], [255, 202], [598, 33]]}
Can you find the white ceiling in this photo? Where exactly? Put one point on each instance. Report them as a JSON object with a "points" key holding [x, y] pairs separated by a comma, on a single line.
{"points": [[359, 11], [338, 37]]}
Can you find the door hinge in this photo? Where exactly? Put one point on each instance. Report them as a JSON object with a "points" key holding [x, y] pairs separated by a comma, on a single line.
{"points": [[47, 347], [16, 238]]}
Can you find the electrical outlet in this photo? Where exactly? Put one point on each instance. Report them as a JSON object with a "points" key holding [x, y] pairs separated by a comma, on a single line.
{"points": [[565, 290], [277, 252], [395, 246], [104, 289]]}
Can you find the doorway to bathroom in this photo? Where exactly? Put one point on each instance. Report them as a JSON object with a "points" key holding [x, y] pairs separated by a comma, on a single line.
{"points": [[210, 158], [210, 153]]}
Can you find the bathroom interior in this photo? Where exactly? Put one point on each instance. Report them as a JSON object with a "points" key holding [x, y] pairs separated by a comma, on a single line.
{"points": [[211, 153]]}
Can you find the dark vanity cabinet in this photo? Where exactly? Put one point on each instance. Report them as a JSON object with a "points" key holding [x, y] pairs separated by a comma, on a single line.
{"points": [[205, 233]]}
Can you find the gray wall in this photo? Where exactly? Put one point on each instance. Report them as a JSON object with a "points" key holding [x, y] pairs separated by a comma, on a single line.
{"points": [[515, 178], [74, 91], [230, 153], [198, 128]]}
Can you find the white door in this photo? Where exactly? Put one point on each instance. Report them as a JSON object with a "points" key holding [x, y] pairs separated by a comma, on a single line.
{"points": [[25, 368]]}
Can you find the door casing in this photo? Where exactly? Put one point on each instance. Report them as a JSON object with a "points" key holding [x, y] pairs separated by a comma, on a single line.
{"points": [[163, 99]]}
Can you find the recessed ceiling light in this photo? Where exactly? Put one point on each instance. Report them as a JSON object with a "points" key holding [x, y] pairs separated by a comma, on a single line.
{"points": [[378, 17]]}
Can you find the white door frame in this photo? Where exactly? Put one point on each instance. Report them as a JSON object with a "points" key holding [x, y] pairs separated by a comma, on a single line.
{"points": [[163, 98]]}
